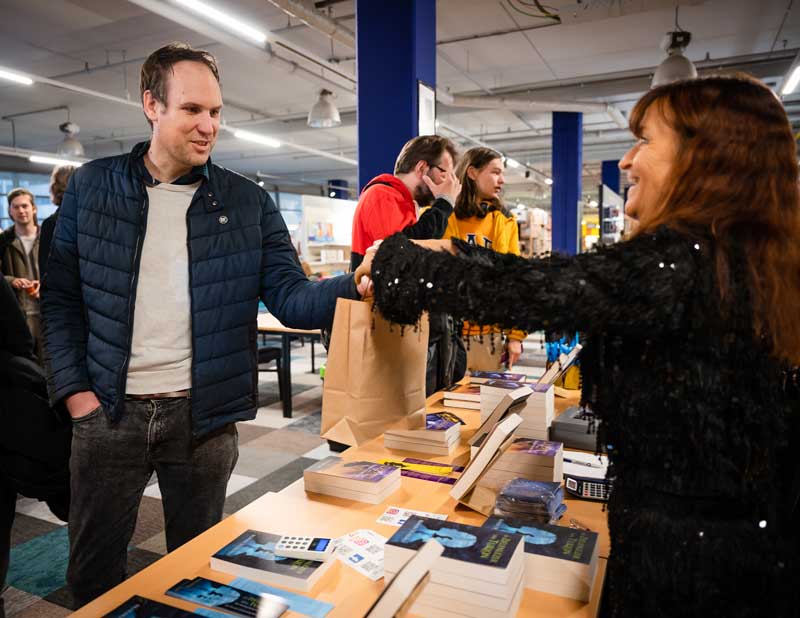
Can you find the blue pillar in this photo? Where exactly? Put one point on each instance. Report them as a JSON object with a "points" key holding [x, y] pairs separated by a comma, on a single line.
{"points": [[395, 48], [567, 163], [609, 172]]}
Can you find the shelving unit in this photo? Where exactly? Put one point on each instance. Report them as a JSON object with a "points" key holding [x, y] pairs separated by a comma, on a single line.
{"points": [[327, 225], [535, 237]]}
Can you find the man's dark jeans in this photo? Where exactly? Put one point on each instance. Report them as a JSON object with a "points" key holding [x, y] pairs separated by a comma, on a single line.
{"points": [[110, 467]]}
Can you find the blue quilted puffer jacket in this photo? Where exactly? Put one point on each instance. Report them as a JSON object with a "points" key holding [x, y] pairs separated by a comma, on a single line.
{"points": [[239, 251]]}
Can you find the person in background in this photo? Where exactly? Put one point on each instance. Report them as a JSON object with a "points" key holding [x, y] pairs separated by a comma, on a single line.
{"points": [[692, 324], [35, 441], [417, 200], [158, 262], [19, 252], [480, 218], [58, 185]]}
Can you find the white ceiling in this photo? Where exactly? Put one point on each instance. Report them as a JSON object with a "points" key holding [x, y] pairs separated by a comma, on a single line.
{"points": [[603, 51]]}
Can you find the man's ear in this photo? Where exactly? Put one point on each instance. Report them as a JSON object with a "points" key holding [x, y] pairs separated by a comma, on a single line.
{"points": [[419, 168], [150, 105]]}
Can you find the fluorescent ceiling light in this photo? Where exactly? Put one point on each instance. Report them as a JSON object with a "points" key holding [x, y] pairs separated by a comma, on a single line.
{"points": [[791, 84], [229, 22], [512, 163], [15, 77], [257, 138], [53, 161], [548, 181]]}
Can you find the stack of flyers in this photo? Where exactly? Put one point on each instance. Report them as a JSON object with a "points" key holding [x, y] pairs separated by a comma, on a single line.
{"points": [[538, 501], [397, 516], [363, 551]]}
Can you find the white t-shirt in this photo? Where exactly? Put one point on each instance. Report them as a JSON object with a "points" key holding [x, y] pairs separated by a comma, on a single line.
{"points": [[161, 348]]}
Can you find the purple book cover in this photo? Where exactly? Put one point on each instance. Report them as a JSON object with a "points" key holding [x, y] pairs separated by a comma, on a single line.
{"points": [[542, 388], [497, 375], [529, 446], [440, 422], [505, 384], [368, 471]]}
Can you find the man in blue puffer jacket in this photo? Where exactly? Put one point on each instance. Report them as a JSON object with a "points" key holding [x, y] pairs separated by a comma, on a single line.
{"points": [[157, 265]]}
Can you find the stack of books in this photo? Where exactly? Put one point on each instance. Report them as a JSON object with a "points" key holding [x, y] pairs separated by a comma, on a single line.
{"points": [[538, 413], [558, 560], [440, 436], [540, 502], [492, 393], [536, 460], [363, 481], [480, 574], [252, 555], [466, 396]]}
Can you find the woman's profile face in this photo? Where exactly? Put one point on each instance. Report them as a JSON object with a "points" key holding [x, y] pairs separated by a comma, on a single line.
{"points": [[649, 163], [489, 179]]}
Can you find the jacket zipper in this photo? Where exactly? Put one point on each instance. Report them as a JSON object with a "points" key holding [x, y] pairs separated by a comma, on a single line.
{"points": [[137, 258], [201, 188]]}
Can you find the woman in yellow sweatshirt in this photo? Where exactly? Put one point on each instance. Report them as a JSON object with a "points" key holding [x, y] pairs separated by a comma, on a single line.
{"points": [[481, 218]]}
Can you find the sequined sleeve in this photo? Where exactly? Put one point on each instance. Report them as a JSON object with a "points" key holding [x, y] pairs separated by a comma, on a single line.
{"points": [[641, 285]]}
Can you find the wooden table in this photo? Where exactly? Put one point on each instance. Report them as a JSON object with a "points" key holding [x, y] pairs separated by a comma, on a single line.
{"points": [[293, 511], [268, 324]]}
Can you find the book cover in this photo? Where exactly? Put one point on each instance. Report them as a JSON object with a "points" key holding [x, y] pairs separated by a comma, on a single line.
{"points": [[256, 550], [139, 607], [570, 544], [485, 376], [213, 594], [366, 471], [508, 385], [466, 392], [471, 544], [528, 446], [441, 421]]}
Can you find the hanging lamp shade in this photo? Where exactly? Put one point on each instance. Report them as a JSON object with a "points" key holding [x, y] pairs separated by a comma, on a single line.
{"points": [[70, 147], [324, 114], [675, 66]]}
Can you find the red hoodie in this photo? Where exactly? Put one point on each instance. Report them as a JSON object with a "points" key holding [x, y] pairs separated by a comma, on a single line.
{"points": [[385, 207]]}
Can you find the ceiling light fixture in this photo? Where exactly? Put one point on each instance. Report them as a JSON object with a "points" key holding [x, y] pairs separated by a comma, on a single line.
{"points": [[15, 77], [548, 181], [257, 138], [675, 66], [70, 147], [231, 23], [53, 161], [324, 114], [512, 163]]}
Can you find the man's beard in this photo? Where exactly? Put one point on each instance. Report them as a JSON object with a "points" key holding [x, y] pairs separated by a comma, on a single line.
{"points": [[422, 194]]}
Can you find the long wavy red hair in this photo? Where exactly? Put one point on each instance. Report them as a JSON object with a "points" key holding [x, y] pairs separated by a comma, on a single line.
{"points": [[736, 174]]}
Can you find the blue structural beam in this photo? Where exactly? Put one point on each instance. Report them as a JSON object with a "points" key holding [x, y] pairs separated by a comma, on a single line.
{"points": [[567, 163], [609, 172], [395, 48]]}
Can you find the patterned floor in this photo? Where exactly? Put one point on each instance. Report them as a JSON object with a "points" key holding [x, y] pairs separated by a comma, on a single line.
{"points": [[273, 452]]}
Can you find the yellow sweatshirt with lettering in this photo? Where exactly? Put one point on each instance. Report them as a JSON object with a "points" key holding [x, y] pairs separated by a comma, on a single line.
{"points": [[495, 231]]}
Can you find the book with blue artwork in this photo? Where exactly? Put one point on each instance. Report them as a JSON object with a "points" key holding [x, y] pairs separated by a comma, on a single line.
{"points": [[139, 607], [481, 377], [559, 560], [252, 555], [360, 476], [222, 596], [440, 436], [469, 551]]}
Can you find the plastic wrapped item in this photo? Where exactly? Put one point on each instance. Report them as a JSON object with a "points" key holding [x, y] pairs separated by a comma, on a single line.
{"points": [[536, 501]]}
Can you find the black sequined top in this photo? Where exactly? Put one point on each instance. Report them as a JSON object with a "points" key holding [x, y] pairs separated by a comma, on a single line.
{"points": [[693, 408]]}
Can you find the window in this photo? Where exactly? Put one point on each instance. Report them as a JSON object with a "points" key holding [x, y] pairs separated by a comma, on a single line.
{"points": [[38, 184]]}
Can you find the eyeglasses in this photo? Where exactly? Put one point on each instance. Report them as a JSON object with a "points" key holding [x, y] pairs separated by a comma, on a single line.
{"points": [[442, 170]]}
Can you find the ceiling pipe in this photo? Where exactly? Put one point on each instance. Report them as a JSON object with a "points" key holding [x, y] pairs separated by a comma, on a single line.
{"points": [[317, 21], [253, 50]]}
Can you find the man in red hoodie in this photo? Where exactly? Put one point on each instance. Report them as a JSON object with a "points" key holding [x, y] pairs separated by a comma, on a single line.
{"points": [[423, 175]]}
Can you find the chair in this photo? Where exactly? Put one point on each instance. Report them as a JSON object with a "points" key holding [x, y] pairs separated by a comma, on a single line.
{"points": [[265, 356]]}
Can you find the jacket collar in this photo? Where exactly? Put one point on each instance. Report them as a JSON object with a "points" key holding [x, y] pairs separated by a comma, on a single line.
{"points": [[208, 194]]}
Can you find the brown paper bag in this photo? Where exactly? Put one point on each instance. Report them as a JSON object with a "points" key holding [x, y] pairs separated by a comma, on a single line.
{"points": [[374, 376]]}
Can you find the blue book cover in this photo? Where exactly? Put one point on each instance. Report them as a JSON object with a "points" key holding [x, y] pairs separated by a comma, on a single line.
{"points": [[139, 607], [256, 550], [559, 542], [213, 594], [497, 375], [441, 421], [480, 546]]}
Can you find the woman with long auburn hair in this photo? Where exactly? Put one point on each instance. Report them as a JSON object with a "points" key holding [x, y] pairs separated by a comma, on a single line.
{"points": [[691, 326]]}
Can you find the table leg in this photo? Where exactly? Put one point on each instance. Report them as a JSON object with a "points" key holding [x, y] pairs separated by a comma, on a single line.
{"points": [[312, 339], [286, 369]]}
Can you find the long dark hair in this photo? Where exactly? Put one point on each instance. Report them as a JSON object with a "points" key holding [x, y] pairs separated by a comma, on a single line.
{"points": [[469, 203], [735, 176]]}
